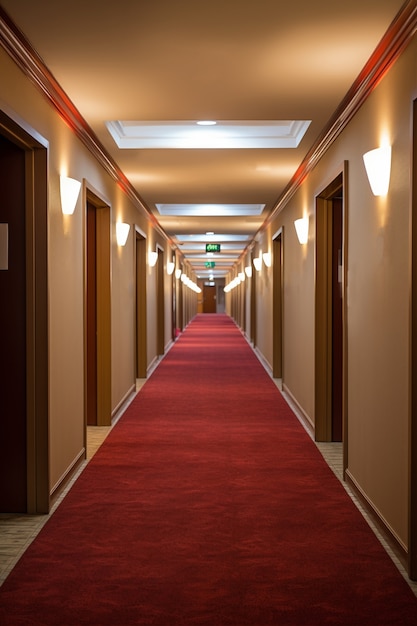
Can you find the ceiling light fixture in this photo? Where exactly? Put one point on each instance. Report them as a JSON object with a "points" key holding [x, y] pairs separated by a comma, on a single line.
{"points": [[254, 134]]}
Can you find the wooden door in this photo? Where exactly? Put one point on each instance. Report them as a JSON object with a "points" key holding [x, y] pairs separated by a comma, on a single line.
{"points": [[141, 348], [13, 397], [277, 307], [97, 313], [329, 330], [209, 299], [160, 303], [337, 319], [91, 339]]}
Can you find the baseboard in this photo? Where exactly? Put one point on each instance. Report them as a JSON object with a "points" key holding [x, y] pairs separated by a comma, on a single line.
{"points": [[66, 477], [388, 534], [263, 360], [123, 404], [298, 410], [152, 366]]}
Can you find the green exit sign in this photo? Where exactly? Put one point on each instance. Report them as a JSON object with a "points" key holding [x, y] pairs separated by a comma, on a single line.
{"points": [[210, 264], [212, 247]]}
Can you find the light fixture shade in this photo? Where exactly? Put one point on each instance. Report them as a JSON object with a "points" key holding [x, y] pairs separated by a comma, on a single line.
{"points": [[267, 259], [301, 227], [152, 258], [248, 271], [378, 168], [69, 189], [257, 261], [241, 276], [178, 273], [170, 267], [122, 233]]}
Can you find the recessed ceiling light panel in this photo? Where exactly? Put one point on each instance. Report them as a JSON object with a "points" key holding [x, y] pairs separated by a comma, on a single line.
{"points": [[210, 210], [223, 135], [184, 239]]}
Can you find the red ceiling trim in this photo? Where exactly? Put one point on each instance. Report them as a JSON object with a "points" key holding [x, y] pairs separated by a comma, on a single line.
{"points": [[28, 60], [395, 40]]}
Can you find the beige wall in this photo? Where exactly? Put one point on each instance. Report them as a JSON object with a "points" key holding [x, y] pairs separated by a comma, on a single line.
{"points": [[66, 154], [378, 280]]}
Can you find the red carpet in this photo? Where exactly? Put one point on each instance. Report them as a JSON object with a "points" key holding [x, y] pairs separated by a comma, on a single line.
{"points": [[207, 505]]}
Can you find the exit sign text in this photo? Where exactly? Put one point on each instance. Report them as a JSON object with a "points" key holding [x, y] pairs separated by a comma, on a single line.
{"points": [[212, 247]]}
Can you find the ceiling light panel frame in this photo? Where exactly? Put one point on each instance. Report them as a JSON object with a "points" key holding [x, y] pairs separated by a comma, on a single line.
{"points": [[183, 135]]}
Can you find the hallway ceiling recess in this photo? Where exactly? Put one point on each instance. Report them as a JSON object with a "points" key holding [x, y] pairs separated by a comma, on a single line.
{"points": [[143, 74]]}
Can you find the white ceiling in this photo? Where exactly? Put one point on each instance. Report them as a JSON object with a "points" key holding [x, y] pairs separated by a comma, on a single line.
{"points": [[276, 70]]}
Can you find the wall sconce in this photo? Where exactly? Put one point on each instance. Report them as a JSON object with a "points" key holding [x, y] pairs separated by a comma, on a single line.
{"points": [[122, 233], [301, 227], [178, 273], [248, 271], [378, 168], [267, 259], [170, 267], [69, 189], [257, 261], [152, 258], [241, 276]]}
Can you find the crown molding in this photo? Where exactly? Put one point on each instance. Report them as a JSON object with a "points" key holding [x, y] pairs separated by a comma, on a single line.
{"points": [[393, 43], [31, 64]]}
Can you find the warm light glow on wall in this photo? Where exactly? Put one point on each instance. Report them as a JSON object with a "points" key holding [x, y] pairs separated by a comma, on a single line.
{"points": [[301, 227], [378, 168], [70, 190], [122, 233]]}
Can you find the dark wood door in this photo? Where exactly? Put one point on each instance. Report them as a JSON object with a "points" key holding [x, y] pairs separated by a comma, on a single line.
{"points": [[91, 339], [141, 349], [209, 299], [337, 320], [13, 397]]}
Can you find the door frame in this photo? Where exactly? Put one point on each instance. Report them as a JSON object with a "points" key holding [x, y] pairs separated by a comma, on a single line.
{"points": [[323, 326], [37, 362]]}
